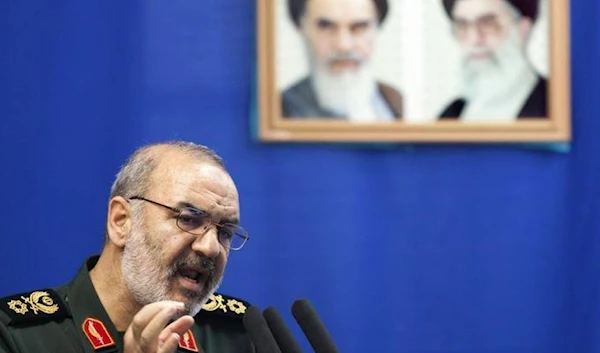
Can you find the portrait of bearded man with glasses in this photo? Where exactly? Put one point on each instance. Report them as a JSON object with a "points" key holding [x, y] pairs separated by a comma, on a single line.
{"points": [[499, 81]]}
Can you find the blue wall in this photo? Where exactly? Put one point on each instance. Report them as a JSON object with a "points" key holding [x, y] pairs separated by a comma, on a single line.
{"points": [[431, 249]]}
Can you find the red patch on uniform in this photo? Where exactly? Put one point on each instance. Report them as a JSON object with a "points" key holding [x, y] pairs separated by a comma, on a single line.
{"points": [[97, 334], [188, 342]]}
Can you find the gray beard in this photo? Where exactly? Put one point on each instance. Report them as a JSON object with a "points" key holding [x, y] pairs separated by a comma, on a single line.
{"points": [[496, 79], [148, 281], [496, 89], [348, 94]]}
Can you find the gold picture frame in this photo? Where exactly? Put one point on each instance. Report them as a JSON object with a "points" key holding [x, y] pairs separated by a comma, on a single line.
{"points": [[273, 127]]}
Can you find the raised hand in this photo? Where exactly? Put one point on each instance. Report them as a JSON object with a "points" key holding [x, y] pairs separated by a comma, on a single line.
{"points": [[149, 333]]}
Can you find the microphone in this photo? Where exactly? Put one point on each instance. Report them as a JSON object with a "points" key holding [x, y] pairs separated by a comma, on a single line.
{"points": [[314, 329], [259, 332], [281, 332]]}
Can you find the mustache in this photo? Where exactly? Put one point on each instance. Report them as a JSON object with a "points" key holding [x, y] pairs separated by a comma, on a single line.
{"points": [[469, 58], [204, 262], [344, 57], [473, 53]]}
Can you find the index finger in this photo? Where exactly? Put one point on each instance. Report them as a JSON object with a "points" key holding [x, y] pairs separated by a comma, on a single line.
{"points": [[148, 312]]}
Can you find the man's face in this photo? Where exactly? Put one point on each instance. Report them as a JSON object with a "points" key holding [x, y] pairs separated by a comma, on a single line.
{"points": [[161, 261], [340, 33], [487, 28]]}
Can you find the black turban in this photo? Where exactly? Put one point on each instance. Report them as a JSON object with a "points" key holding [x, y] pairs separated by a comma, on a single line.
{"points": [[296, 9], [529, 8]]}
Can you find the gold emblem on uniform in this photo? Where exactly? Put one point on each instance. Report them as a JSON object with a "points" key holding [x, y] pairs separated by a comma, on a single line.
{"points": [[226, 304], [236, 306], [18, 306], [215, 302], [38, 301]]}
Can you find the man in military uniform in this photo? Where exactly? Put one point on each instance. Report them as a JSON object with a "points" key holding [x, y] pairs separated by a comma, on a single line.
{"points": [[172, 220]]}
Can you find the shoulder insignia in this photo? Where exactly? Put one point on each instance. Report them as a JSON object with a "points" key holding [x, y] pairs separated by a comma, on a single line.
{"points": [[222, 304], [35, 307]]}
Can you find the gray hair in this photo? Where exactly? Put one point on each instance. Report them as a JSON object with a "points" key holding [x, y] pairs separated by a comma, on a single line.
{"points": [[133, 179], [134, 176]]}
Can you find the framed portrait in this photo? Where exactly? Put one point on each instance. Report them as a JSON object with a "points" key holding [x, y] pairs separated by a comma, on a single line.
{"points": [[413, 71]]}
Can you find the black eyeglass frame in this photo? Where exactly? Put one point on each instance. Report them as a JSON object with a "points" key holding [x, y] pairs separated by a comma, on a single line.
{"points": [[244, 236]]}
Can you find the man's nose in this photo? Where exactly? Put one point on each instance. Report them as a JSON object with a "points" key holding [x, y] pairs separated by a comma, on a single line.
{"points": [[474, 36], [344, 40], [208, 243]]}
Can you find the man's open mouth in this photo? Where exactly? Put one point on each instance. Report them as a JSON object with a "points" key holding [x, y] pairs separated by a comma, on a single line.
{"points": [[191, 274]]}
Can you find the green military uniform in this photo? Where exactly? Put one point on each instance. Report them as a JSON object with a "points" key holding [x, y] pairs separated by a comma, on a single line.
{"points": [[71, 319]]}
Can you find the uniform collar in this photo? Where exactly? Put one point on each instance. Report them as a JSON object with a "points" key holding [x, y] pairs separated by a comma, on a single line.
{"points": [[96, 330]]}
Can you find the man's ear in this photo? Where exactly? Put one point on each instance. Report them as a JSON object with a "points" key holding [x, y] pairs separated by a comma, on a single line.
{"points": [[525, 26], [119, 221]]}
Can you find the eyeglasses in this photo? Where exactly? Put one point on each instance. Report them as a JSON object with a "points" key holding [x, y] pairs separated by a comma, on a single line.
{"points": [[197, 222]]}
